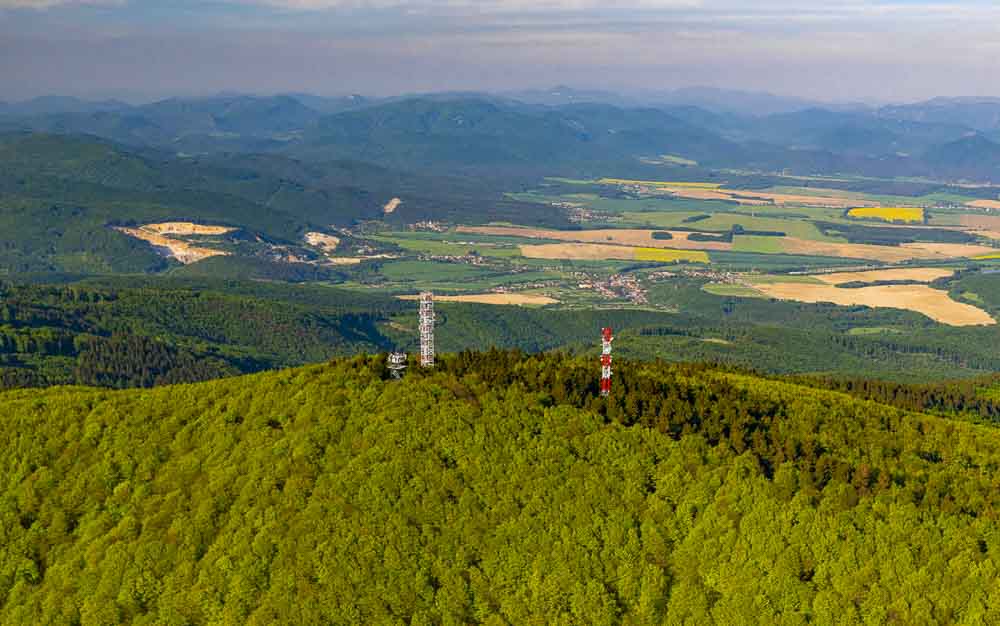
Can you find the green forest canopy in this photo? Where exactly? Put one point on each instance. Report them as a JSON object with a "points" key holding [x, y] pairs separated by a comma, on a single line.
{"points": [[498, 489]]}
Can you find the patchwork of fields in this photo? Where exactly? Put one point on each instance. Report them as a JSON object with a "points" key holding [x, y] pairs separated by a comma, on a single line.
{"points": [[626, 237], [713, 191], [600, 252], [741, 243]]}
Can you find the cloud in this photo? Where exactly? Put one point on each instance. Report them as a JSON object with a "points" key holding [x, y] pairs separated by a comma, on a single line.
{"points": [[824, 49], [855, 8], [490, 6], [48, 4]]}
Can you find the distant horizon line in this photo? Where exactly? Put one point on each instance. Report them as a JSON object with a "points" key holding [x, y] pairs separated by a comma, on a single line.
{"points": [[641, 97]]}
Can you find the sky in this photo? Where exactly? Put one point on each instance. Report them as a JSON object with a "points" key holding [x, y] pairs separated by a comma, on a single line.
{"points": [[837, 50]]}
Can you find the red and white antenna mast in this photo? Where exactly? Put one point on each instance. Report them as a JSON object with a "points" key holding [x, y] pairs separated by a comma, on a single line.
{"points": [[607, 337], [427, 329]]}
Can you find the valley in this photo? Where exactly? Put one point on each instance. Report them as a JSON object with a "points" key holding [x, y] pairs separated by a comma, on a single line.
{"points": [[712, 232], [724, 255]]}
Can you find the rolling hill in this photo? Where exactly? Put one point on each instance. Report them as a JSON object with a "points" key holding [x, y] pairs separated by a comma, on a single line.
{"points": [[565, 131], [977, 113], [481, 136], [974, 156], [196, 125], [495, 489], [60, 194], [53, 105]]}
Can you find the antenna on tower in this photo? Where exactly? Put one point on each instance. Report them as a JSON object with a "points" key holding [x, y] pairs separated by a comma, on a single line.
{"points": [[607, 336], [397, 364], [427, 329]]}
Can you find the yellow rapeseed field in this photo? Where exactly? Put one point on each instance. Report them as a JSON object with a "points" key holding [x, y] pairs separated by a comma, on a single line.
{"points": [[663, 255], [889, 214]]}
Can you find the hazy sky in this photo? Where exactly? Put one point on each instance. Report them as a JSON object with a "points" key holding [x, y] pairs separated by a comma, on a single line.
{"points": [[888, 50]]}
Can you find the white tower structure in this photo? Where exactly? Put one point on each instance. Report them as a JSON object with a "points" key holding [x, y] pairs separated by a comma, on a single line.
{"points": [[397, 364], [427, 329]]}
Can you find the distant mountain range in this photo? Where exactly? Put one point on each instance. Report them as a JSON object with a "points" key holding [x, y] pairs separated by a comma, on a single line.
{"points": [[978, 113], [562, 130], [48, 105]]}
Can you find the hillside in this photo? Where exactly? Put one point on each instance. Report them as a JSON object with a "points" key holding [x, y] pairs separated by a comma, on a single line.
{"points": [[177, 331], [59, 195], [426, 134], [497, 489], [967, 155], [141, 332]]}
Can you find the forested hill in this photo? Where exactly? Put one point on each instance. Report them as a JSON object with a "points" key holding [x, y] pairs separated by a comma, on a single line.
{"points": [[497, 489]]}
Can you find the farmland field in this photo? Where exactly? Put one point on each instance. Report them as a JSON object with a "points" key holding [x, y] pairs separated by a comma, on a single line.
{"points": [[509, 299], [627, 237], [985, 204], [744, 261], [663, 255], [724, 222], [980, 222], [623, 205], [731, 291], [933, 303], [447, 247], [715, 191], [762, 245], [887, 254], [625, 241], [923, 275], [600, 252], [913, 215], [578, 251]]}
